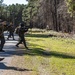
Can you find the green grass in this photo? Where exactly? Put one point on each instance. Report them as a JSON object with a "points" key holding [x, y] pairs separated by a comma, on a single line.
{"points": [[50, 55]]}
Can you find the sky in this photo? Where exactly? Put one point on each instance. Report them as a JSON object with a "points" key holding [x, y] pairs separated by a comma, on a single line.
{"points": [[9, 2]]}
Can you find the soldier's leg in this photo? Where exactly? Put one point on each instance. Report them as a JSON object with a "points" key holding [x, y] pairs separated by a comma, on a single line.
{"points": [[2, 43], [13, 35], [8, 36], [20, 41], [24, 41]]}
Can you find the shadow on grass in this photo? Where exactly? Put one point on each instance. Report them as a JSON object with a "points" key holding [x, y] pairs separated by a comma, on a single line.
{"points": [[40, 35], [41, 52], [35, 45], [3, 66]]}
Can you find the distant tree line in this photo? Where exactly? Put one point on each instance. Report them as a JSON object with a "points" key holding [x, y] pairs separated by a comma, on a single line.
{"points": [[58, 15], [55, 15], [12, 12]]}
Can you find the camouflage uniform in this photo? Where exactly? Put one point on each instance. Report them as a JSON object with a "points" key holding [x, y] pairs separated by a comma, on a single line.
{"points": [[11, 31], [21, 32], [2, 39]]}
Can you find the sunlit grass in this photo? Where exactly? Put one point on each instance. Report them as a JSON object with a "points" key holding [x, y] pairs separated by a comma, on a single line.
{"points": [[50, 55]]}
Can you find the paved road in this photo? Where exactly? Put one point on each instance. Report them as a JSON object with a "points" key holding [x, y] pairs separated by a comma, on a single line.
{"points": [[13, 64], [10, 49]]}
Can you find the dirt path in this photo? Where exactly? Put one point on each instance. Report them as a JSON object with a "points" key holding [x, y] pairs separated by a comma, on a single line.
{"points": [[13, 64]]}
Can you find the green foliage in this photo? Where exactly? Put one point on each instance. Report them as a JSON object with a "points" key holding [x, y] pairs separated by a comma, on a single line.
{"points": [[50, 55], [71, 5], [12, 11], [30, 11]]}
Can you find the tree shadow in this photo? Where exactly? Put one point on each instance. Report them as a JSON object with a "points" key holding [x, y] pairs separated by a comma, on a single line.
{"points": [[36, 52], [37, 39], [44, 53], [13, 50], [39, 52], [41, 35], [37, 35], [34, 45], [4, 67]]}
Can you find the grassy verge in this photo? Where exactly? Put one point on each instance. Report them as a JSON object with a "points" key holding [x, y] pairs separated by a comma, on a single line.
{"points": [[50, 55]]}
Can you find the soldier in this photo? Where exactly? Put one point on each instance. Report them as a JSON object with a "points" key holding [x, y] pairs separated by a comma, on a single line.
{"points": [[11, 31], [2, 39], [21, 32]]}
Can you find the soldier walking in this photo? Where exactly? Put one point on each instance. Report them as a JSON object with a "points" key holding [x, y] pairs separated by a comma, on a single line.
{"points": [[21, 32], [11, 31]]}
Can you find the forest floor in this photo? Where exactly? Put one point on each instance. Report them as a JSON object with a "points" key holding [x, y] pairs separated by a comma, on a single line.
{"points": [[49, 54]]}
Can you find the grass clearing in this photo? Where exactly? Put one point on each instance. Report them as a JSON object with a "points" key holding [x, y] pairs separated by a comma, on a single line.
{"points": [[50, 55]]}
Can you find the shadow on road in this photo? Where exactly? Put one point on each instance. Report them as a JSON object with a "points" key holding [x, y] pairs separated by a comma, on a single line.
{"points": [[41, 52], [4, 67]]}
